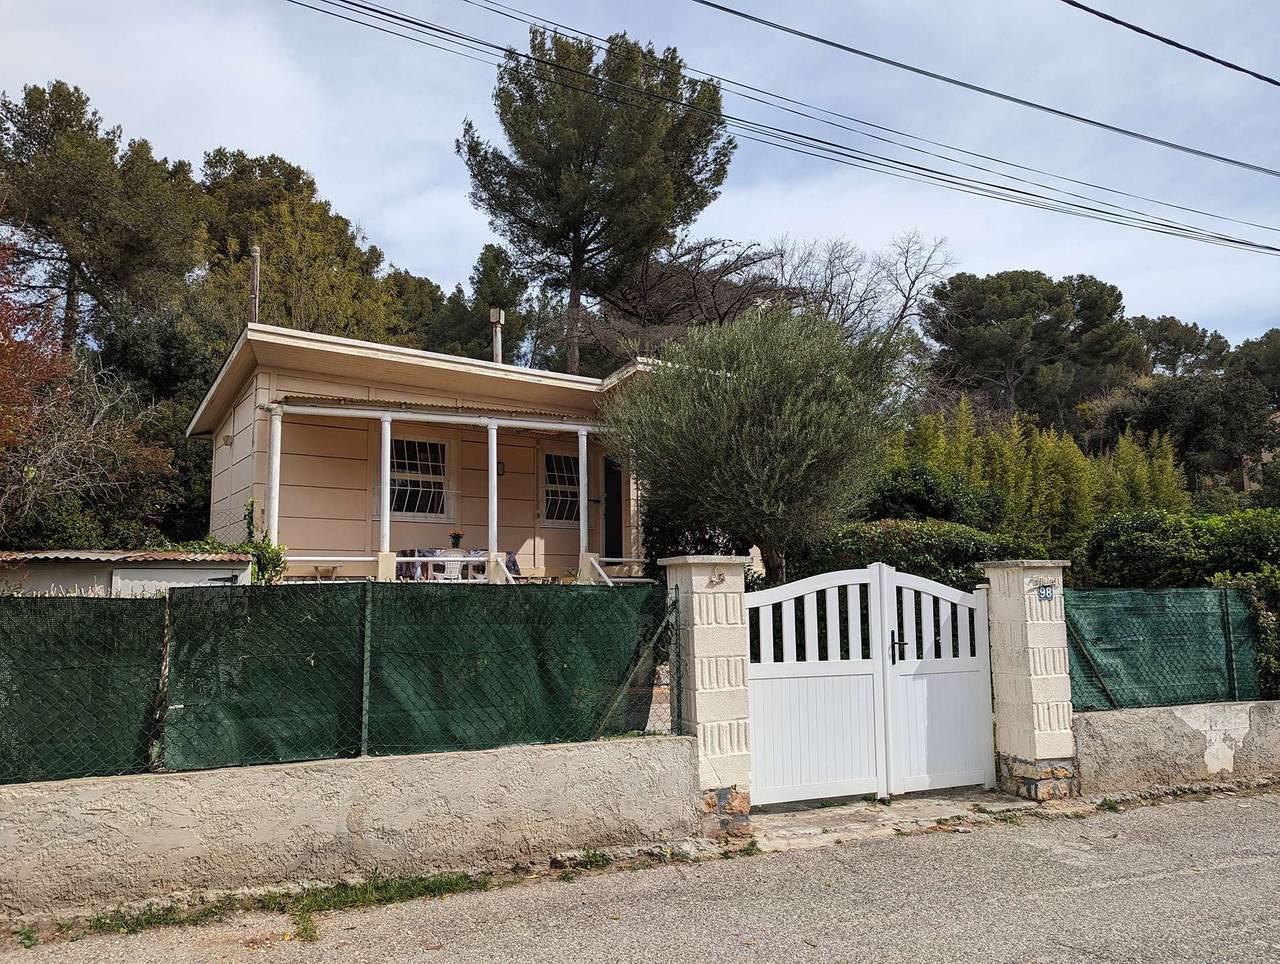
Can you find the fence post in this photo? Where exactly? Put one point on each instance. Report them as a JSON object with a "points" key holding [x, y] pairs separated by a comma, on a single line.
{"points": [[366, 656], [1031, 680], [714, 647]]}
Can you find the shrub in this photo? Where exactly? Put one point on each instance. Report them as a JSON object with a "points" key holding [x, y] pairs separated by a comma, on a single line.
{"points": [[922, 492], [1156, 549], [943, 551], [1263, 590]]}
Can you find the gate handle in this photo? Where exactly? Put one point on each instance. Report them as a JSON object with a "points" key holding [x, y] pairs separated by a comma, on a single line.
{"points": [[897, 648]]}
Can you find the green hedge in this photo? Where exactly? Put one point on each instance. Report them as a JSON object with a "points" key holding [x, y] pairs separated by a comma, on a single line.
{"points": [[943, 551], [1158, 550]]}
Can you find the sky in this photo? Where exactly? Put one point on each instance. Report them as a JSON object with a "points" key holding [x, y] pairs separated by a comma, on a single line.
{"points": [[374, 119]]}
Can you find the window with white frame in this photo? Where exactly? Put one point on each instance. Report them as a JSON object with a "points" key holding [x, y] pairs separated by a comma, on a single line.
{"points": [[418, 478], [559, 487]]}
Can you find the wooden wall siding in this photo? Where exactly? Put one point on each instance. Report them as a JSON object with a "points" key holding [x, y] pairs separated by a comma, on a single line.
{"points": [[234, 467]]}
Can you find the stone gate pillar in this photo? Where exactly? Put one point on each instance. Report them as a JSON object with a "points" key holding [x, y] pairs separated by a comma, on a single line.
{"points": [[714, 645], [1031, 681]]}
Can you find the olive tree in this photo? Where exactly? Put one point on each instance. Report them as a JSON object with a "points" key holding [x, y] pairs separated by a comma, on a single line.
{"points": [[766, 429]]}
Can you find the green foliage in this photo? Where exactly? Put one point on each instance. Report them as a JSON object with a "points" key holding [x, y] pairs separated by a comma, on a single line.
{"points": [[1157, 549], [590, 182], [942, 551], [1018, 479], [768, 428], [924, 492], [1181, 348], [1216, 422], [269, 562], [1260, 358], [100, 225], [1022, 340], [1263, 590]]}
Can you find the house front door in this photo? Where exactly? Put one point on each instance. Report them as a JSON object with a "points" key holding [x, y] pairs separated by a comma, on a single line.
{"points": [[612, 510]]}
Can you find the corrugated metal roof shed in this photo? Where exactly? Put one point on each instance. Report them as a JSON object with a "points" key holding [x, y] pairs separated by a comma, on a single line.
{"points": [[119, 555]]}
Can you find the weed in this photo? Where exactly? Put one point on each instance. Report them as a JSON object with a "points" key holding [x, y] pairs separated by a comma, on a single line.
{"points": [[1007, 816], [868, 798], [946, 821], [27, 937], [979, 808], [749, 849], [385, 890], [1109, 806], [595, 859], [304, 926], [567, 876]]}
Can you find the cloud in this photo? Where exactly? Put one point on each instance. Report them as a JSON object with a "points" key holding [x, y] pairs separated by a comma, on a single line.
{"points": [[374, 119]]}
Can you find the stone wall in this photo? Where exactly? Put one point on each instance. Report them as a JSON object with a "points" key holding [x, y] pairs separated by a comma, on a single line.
{"points": [[1172, 746], [75, 844]]}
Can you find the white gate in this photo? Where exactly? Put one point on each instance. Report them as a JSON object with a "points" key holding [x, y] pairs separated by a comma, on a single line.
{"points": [[868, 681]]}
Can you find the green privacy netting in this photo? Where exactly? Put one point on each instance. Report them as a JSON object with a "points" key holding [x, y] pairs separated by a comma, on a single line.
{"points": [[78, 681], [465, 668], [1160, 647], [263, 674], [269, 674]]}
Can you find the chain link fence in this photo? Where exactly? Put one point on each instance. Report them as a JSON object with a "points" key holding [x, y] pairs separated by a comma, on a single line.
{"points": [[242, 675], [79, 679], [1160, 647]]}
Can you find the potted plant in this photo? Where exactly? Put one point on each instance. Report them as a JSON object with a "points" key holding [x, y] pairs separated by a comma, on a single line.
{"points": [[455, 538]]}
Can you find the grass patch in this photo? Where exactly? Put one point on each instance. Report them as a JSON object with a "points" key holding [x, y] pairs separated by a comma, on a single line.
{"points": [[1109, 806], [160, 915], [301, 907], [567, 876], [1008, 817], [27, 937]]}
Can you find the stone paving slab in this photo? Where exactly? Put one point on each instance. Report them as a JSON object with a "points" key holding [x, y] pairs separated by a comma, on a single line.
{"points": [[798, 826]]}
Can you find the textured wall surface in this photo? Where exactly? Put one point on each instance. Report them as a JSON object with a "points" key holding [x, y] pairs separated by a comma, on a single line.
{"points": [[1168, 746], [76, 844]]}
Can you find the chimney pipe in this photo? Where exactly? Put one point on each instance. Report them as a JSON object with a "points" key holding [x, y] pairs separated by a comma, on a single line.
{"points": [[497, 318], [253, 284]]}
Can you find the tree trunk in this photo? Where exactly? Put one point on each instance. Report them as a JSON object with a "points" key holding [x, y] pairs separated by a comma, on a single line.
{"points": [[571, 328], [775, 565], [71, 308]]}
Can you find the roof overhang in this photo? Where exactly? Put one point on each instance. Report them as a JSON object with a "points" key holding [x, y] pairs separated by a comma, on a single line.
{"points": [[328, 356]]}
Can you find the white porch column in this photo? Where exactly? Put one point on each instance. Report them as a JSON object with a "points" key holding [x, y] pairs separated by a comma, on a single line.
{"points": [[582, 491], [386, 559], [273, 475], [492, 567]]}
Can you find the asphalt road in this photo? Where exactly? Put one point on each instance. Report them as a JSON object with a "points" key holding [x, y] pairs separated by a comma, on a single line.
{"points": [[1186, 881]]}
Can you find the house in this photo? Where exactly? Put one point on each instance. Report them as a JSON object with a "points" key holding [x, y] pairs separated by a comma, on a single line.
{"points": [[355, 452], [111, 572]]}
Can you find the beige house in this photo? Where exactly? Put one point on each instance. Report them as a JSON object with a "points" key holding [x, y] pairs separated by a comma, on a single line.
{"points": [[356, 453]]}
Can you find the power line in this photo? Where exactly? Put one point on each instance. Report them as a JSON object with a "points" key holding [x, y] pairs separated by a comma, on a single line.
{"points": [[603, 44], [825, 148], [788, 140], [990, 92], [1171, 42]]}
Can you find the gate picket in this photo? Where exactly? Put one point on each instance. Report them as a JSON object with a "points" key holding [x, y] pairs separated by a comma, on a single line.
{"points": [[911, 716]]}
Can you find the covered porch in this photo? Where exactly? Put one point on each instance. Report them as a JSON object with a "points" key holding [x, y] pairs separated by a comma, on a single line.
{"points": [[530, 496]]}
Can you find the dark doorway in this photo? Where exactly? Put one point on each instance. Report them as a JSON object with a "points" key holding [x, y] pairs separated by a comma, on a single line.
{"points": [[612, 509]]}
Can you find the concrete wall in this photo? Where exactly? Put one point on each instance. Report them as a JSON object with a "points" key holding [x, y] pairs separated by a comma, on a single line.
{"points": [[1170, 746], [69, 845]]}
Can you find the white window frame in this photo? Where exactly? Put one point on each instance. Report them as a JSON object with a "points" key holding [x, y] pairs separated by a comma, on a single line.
{"points": [[570, 453], [450, 512]]}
